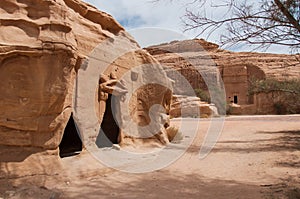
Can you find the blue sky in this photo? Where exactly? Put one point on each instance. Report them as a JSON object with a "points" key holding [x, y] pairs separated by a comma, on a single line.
{"points": [[153, 23]]}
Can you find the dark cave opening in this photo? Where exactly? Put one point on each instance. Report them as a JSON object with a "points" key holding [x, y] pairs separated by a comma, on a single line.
{"points": [[109, 132], [235, 99], [71, 143]]}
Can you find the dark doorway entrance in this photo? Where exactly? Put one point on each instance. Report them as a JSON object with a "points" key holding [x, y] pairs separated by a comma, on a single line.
{"points": [[235, 99], [109, 131], [71, 143]]}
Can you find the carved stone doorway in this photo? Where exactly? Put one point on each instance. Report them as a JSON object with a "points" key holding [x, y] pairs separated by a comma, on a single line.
{"points": [[71, 143]]}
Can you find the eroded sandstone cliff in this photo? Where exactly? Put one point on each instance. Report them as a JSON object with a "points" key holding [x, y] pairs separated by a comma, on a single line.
{"points": [[235, 69], [46, 47], [42, 43]]}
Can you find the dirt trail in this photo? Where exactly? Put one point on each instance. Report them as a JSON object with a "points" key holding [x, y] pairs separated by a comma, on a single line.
{"points": [[255, 157]]}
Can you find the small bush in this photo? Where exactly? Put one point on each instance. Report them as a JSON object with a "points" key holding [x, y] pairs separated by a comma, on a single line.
{"points": [[271, 85], [289, 90], [203, 95], [280, 108]]}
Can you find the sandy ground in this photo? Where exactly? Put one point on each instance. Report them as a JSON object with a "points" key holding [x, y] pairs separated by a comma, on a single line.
{"points": [[255, 157]]}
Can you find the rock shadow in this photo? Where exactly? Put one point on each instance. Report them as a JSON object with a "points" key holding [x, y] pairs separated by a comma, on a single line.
{"points": [[283, 141]]}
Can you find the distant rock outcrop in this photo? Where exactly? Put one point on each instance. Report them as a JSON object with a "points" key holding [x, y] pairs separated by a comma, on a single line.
{"points": [[236, 69]]}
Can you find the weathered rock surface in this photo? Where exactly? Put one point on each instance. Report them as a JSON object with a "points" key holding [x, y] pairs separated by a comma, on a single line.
{"points": [[236, 69], [135, 83], [191, 59], [42, 43], [45, 48], [187, 106]]}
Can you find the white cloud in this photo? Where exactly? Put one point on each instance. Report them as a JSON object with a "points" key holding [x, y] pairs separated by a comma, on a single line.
{"points": [[151, 36], [164, 14]]}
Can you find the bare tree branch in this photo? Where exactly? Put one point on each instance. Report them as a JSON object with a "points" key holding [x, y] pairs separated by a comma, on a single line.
{"points": [[263, 23], [288, 15]]}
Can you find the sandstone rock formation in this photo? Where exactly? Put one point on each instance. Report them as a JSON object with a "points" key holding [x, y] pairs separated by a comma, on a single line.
{"points": [[46, 47], [189, 58], [187, 106], [42, 46], [236, 69]]}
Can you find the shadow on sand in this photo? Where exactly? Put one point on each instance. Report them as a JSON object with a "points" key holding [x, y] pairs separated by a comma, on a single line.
{"points": [[163, 185], [282, 141]]}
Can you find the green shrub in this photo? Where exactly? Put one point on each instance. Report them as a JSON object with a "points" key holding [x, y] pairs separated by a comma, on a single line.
{"points": [[203, 95], [289, 90], [271, 85]]}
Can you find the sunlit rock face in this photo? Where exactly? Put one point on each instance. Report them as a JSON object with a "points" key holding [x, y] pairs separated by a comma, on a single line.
{"points": [[235, 69], [45, 46]]}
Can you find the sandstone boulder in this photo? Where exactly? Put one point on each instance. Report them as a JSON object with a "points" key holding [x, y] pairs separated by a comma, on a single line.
{"points": [[187, 106]]}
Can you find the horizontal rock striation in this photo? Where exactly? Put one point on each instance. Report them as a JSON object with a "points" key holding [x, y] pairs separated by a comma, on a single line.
{"points": [[203, 63]]}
